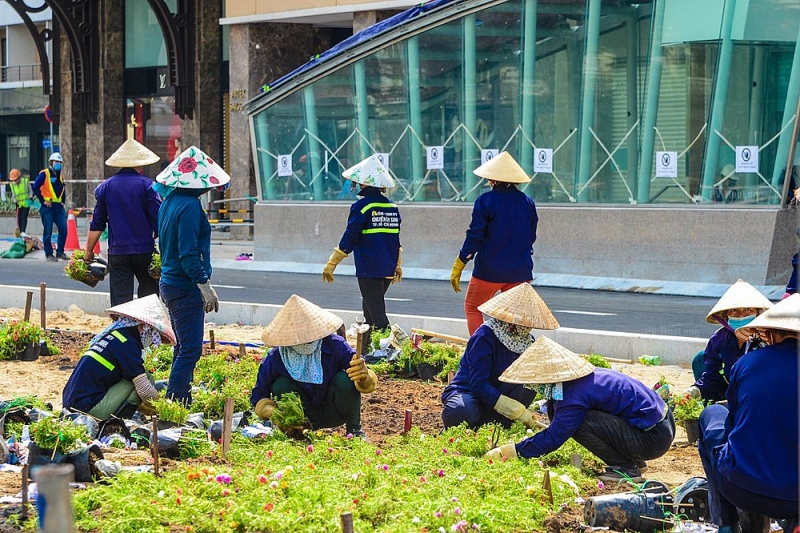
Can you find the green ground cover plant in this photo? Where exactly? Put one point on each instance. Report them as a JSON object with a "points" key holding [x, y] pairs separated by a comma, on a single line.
{"points": [[52, 432]]}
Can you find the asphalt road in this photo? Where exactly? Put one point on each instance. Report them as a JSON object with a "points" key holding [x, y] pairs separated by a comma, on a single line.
{"points": [[585, 309]]}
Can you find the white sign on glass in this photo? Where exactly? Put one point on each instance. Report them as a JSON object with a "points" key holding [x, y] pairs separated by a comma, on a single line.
{"points": [[543, 161], [383, 157], [666, 164], [285, 165], [488, 155], [435, 157], [746, 159]]}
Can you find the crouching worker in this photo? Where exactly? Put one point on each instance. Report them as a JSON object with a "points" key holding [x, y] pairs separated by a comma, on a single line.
{"points": [[110, 377], [614, 416], [309, 359], [749, 449], [475, 395]]}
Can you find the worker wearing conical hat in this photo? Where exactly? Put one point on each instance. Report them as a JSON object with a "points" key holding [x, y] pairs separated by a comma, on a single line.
{"points": [[184, 235], [21, 194], [475, 395], [373, 236], [749, 447], [309, 359], [740, 304], [128, 206], [110, 378], [614, 416], [500, 237]]}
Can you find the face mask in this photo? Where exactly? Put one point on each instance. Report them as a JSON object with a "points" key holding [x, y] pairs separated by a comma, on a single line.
{"points": [[57, 166], [736, 323]]}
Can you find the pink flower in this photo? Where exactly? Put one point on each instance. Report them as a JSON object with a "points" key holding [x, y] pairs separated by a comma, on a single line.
{"points": [[223, 478], [422, 479], [273, 485], [440, 473], [444, 450], [349, 435], [377, 451], [226, 492], [330, 450], [385, 468], [187, 164], [457, 510], [310, 448], [600, 485], [269, 454], [453, 499], [437, 514], [262, 479]]}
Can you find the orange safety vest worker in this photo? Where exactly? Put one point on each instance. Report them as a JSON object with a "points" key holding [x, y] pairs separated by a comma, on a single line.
{"points": [[47, 191]]}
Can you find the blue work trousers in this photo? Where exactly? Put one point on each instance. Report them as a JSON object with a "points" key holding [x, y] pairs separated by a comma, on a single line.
{"points": [[188, 316], [55, 214], [465, 407]]}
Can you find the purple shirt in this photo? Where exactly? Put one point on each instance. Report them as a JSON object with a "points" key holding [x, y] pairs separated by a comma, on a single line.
{"points": [[127, 203]]}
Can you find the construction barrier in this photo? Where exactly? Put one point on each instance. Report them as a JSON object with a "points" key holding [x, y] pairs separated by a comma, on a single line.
{"points": [[222, 220]]}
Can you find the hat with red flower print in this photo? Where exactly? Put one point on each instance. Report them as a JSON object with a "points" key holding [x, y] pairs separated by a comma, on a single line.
{"points": [[193, 169], [147, 310]]}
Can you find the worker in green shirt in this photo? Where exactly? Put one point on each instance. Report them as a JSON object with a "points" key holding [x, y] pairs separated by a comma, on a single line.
{"points": [[20, 192]]}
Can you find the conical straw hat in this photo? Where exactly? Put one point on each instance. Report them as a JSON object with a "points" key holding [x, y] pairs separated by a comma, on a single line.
{"points": [[193, 169], [784, 315], [370, 172], [298, 322], [504, 168], [132, 154], [740, 295], [546, 361], [148, 310], [521, 305]]}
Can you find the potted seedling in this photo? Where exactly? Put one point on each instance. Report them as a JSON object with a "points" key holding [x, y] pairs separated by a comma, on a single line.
{"points": [[20, 340], [687, 411], [289, 416], [89, 273], [57, 440], [155, 266]]}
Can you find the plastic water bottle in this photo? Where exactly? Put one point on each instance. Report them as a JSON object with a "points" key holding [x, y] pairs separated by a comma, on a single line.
{"points": [[650, 360]]}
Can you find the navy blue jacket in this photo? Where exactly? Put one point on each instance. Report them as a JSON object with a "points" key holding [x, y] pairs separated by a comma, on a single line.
{"points": [[128, 204], [91, 379], [184, 240], [761, 452], [501, 235], [56, 180], [721, 352], [373, 235], [482, 363], [336, 356], [603, 390]]}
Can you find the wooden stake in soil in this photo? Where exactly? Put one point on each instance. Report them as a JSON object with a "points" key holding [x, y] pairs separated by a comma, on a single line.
{"points": [[28, 302], [547, 487], [575, 460], [23, 515], [211, 341], [154, 445], [227, 423], [347, 522], [407, 422], [43, 299], [451, 338], [242, 350]]}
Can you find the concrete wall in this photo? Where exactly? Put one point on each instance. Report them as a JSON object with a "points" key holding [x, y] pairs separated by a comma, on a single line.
{"points": [[687, 244]]}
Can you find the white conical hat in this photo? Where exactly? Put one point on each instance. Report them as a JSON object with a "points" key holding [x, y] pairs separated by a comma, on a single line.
{"points": [[370, 172], [546, 361], [740, 295], [784, 315], [193, 169], [298, 322], [148, 310], [521, 305], [132, 154], [502, 167]]}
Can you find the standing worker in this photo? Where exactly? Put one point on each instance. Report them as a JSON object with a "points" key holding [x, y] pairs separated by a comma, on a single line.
{"points": [[49, 189], [127, 203], [20, 193], [185, 242], [500, 237], [373, 235]]}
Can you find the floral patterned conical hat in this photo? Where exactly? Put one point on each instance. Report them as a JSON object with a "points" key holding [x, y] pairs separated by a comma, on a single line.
{"points": [[370, 172], [193, 169], [147, 310]]}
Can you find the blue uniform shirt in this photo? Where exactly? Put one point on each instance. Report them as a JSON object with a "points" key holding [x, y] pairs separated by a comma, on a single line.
{"points": [[501, 235], [482, 363], [128, 204], [55, 180], [373, 235], [761, 452], [115, 357], [184, 240], [603, 390], [721, 352], [336, 356]]}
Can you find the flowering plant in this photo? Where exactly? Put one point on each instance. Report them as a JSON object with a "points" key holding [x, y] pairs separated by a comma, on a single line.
{"points": [[155, 266], [687, 408], [78, 269], [23, 332]]}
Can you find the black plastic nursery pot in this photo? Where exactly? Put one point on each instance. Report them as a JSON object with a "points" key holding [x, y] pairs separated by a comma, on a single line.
{"points": [[83, 460], [692, 430], [28, 352], [427, 371]]}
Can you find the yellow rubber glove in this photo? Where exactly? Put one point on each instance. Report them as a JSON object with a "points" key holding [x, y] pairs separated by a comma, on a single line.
{"points": [[398, 270], [514, 410], [264, 408], [364, 379], [455, 275], [508, 451], [336, 257]]}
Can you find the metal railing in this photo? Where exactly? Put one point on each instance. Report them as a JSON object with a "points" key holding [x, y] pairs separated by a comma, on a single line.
{"points": [[16, 73]]}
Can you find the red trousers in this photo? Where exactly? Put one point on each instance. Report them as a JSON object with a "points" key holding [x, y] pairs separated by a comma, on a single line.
{"points": [[478, 293]]}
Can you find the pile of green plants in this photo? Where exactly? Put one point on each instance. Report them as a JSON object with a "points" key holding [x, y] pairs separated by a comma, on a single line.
{"points": [[445, 357], [412, 483], [598, 360], [62, 435], [288, 412]]}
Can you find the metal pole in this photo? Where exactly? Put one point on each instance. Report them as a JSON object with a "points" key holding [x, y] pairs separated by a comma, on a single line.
{"points": [[588, 96], [788, 140], [470, 115], [414, 114], [314, 149], [720, 98], [633, 91], [54, 500], [362, 107], [527, 97], [651, 105]]}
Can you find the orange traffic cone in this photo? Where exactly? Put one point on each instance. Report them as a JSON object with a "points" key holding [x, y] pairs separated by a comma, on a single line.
{"points": [[72, 233]]}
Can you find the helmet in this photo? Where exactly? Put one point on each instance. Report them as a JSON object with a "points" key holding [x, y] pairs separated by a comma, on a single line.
{"points": [[56, 156]]}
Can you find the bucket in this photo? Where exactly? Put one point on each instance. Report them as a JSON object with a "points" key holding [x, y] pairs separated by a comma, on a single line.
{"points": [[692, 430], [634, 511]]}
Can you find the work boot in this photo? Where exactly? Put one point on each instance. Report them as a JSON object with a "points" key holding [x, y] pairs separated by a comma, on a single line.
{"points": [[621, 473], [642, 466], [125, 411], [63, 256], [51, 259]]}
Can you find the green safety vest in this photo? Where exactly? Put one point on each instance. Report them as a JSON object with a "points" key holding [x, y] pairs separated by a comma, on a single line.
{"points": [[19, 189]]}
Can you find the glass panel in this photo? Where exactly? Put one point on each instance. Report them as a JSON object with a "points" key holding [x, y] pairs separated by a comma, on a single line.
{"points": [[151, 122], [144, 42]]}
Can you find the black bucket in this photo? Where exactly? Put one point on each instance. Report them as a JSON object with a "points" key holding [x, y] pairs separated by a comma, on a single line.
{"points": [[634, 511], [691, 500]]}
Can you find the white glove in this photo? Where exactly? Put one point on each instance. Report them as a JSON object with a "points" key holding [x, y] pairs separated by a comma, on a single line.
{"points": [[693, 392], [509, 451], [210, 300]]}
